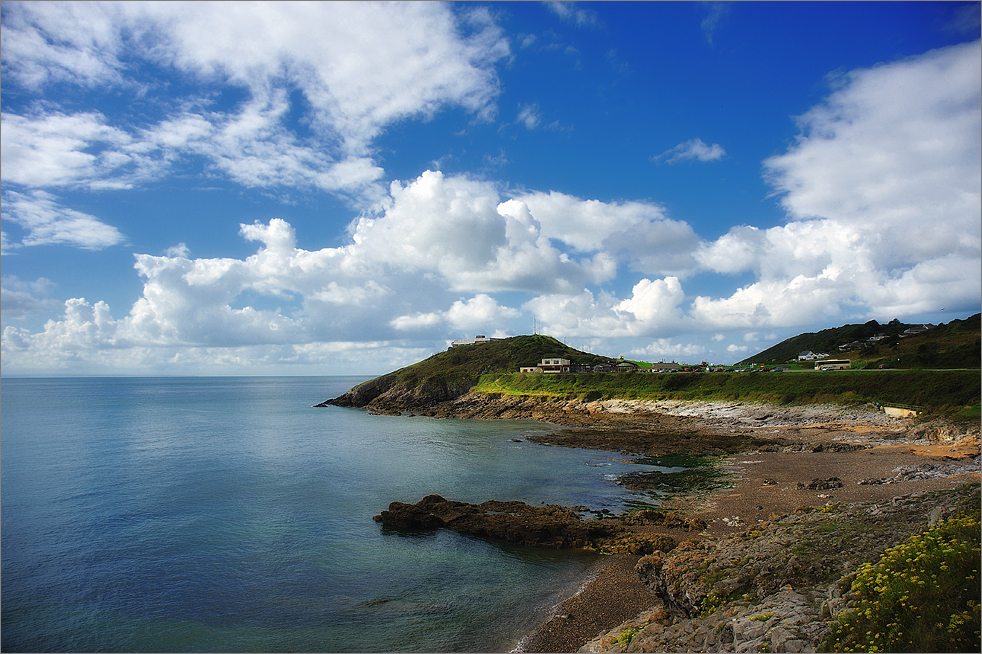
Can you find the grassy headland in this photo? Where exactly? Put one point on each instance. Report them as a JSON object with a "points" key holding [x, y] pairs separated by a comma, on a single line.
{"points": [[492, 368]]}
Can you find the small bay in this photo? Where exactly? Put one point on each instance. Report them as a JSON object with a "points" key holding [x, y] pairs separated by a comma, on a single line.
{"points": [[229, 514]]}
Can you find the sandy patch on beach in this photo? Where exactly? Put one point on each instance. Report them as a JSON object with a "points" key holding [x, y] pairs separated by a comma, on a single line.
{"points": [[768, 484]]}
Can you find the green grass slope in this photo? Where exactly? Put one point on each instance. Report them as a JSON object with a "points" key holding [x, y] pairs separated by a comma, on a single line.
{"points": [[945, 391]]}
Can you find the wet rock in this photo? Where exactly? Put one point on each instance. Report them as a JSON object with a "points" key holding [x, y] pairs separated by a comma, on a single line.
{"points": [[550, 526], [658, 518]]}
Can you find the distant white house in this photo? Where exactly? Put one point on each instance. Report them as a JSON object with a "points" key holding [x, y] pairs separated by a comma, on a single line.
{"points": [[808, 355], [480, 338], [548, 367]]}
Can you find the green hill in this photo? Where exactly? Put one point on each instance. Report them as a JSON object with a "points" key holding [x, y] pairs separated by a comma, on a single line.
{"points": [[451, 373], [952, 345], [466, 363]]}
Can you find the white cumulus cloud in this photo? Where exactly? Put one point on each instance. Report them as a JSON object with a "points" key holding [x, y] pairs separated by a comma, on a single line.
{"points": [[359, 67], [882, 188]]}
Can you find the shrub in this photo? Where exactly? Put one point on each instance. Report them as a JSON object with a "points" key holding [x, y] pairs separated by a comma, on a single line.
{"points": [[627, 635], [923, 595]]}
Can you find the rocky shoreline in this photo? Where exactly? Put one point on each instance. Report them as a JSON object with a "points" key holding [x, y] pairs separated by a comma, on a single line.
{"points": [[380, 397], [774, 587], [807, 481], [773, 566]]}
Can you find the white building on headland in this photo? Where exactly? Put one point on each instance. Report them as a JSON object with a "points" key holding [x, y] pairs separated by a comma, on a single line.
{"points": [[480, 338], [548, 366]]}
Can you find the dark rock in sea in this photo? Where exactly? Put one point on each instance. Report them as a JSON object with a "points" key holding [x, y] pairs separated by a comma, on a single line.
{"points": [[547, 526], [552, 526]]}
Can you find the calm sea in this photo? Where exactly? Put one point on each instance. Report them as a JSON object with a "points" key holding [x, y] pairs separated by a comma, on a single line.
{"points": [[228, 514]]}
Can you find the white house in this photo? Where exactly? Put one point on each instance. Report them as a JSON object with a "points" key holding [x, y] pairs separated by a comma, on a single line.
{"points": [[548, 366]]}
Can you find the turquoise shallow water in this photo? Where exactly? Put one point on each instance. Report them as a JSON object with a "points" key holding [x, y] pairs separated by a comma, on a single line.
{"points": [[228, 514]]}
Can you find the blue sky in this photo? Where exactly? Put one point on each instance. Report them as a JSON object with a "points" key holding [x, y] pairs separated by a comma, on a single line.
{"points": [[340, 188]]}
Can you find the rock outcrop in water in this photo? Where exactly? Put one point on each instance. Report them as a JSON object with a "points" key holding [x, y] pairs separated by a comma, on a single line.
{"points": [[552, 526]]}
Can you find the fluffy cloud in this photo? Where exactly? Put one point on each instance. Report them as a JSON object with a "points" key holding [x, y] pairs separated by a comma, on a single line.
{"points": [[46, 222], [639, 233], [665, 348], [432, 237], [654, 307], [895, 146], [462, 231], [359, 67], [55, 150], [480, 312], [883, 190]]}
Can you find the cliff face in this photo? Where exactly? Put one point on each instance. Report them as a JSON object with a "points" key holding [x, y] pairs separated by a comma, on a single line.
{"points": [[363, 394], [389, 394]]}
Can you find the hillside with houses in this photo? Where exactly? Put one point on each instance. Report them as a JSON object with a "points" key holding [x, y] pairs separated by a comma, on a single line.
{"points": [[895, 345]]}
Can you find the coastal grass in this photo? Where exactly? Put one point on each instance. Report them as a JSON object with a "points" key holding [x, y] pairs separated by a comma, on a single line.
{"points": [[922, 596], [947, 392]]}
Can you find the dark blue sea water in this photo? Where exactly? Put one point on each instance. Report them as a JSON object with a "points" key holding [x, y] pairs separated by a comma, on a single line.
{"points": [[228, 514]]}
